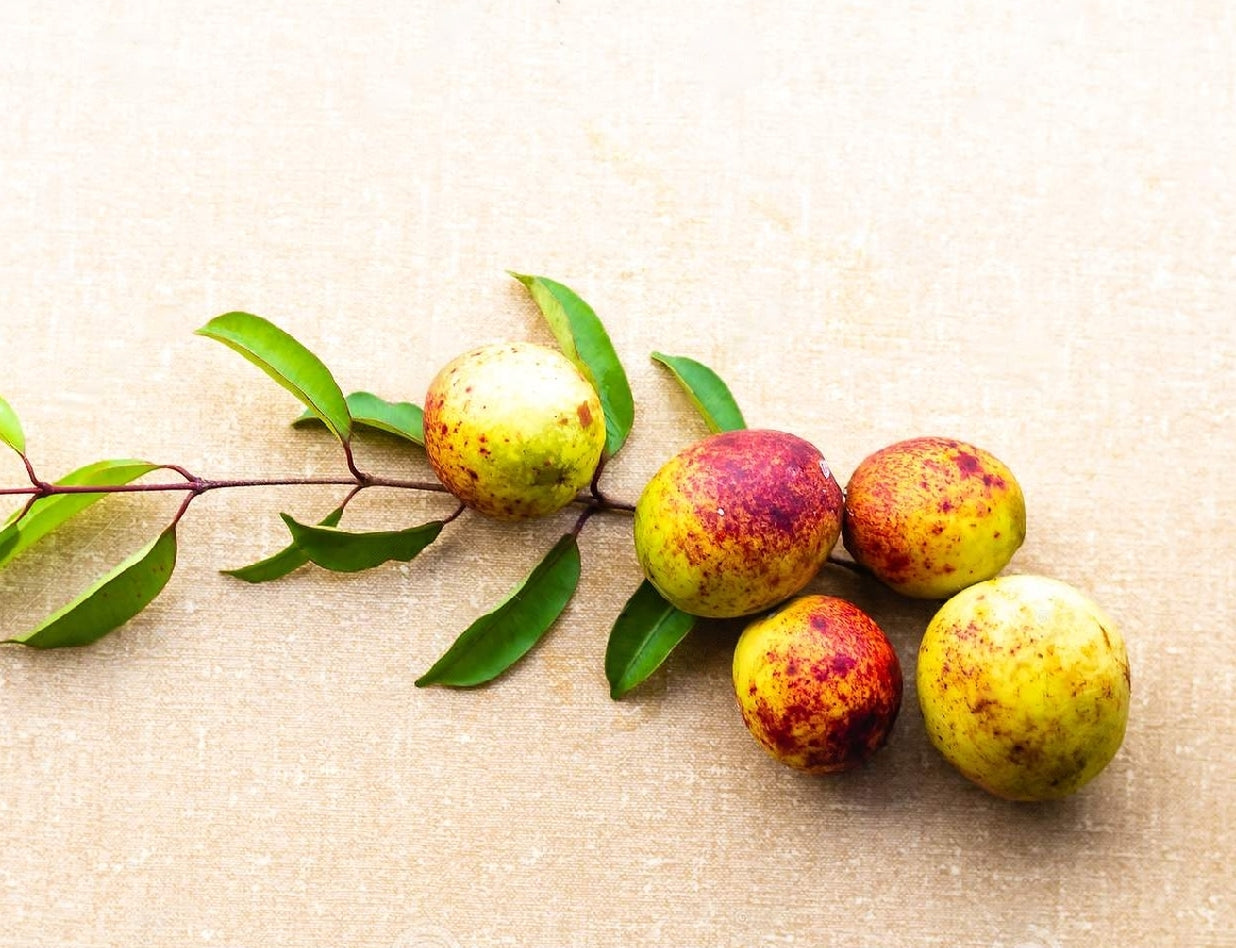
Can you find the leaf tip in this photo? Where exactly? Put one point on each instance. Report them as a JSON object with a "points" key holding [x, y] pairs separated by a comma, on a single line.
{"points": [[11, 432], [212, 324]]}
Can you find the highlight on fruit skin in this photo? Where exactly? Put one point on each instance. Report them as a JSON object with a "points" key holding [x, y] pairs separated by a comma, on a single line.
{"points": [[931, 516], [514, 430], [737, 522], [818, 683], [1024, 686]]}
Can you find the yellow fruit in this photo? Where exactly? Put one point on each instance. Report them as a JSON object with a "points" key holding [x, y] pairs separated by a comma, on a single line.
{"points": [[1024, 686], [930, 516], [818, 683], [513, 430], [737, 522]]}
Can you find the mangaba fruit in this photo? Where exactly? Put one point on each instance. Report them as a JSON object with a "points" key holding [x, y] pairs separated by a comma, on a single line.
{"points": [[513, 430], [930, 516], [1024, 686], [818, 684], [737, 522]]}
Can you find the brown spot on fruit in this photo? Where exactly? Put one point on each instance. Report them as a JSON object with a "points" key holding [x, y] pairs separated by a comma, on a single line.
{"points": [[584, 413], [968, 464]]}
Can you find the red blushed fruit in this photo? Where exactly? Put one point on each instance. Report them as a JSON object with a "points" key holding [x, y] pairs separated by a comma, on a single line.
{"points": [[818, 683], [737, 522], [930, 516]]}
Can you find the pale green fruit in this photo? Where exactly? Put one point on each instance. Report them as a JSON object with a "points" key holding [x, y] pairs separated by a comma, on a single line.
{"points": [[513, 430], [931, 516], [737, 522], [1024, 686]]}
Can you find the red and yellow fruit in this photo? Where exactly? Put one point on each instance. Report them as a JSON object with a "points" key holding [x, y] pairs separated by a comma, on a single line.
{"points": [[930, 516], [737, 522], [818, 683]]}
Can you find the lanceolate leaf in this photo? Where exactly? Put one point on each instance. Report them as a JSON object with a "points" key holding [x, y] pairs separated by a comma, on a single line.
{"points": [[112, 601], [346, 552], [707, 392], [401, 419], [646, 632], [48, 513], [285, 561], [10, 428], [498, 639], [287, 362], [582, 337]]}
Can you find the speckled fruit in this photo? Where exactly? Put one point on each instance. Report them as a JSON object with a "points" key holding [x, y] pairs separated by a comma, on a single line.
{"points": [[930, 516], [1024, 686], [513, 430], [818, 683], [737, 522]]}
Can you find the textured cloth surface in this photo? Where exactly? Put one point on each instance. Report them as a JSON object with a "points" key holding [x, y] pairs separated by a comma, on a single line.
{"points": [[875, 220]]}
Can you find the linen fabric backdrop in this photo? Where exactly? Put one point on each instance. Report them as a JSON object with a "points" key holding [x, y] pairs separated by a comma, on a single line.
{"points": [[1011, 224]]}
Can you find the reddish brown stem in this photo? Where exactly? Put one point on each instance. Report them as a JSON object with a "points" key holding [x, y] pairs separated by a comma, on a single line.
{"points": [[583, 519], [195, 486]]}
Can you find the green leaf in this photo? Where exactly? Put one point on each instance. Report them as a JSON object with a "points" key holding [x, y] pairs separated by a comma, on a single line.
{"points": [[290, 558], [582, 337], [112, 601], [48, 513], [500, 638], [345, 552], [707, 392], [646, 631], [287, 362], [10, 428], [401, 419]]}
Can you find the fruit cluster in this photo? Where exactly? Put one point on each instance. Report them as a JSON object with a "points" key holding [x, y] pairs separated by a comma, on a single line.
{"points": [[1022, 681]]}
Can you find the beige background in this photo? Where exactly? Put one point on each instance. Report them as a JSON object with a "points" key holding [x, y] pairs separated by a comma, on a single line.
{"points": [[874, 219]]}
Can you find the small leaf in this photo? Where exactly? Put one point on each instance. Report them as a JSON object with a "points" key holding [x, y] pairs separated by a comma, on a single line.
{"points": [[707, 392], [287, 362], [500, 638], [645, 633], [345, 552], [582, 337], [48, 513], [10, 428], [401, 419], [285, 561], [112, 601]]}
